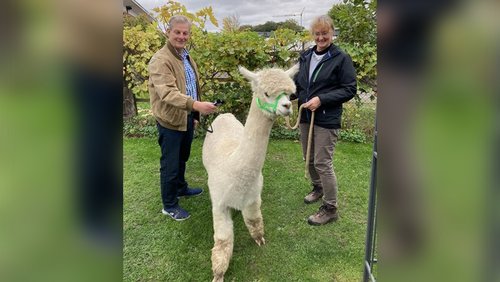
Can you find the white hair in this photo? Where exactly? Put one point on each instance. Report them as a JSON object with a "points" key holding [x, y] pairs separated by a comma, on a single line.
{"points": [[178, 19]]}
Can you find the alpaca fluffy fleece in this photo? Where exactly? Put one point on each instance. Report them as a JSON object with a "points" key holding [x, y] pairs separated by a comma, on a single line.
{"points": [[234, 155]]}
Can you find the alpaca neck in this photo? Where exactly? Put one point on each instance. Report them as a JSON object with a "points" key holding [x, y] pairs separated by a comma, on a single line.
{"points": [[253, 146]]}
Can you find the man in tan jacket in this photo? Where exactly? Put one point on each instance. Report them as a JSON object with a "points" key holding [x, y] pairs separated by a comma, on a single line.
{"points": [[175, 100]]}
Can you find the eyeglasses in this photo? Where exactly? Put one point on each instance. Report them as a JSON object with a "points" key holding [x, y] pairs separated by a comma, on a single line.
{"points": [[324, 34]]}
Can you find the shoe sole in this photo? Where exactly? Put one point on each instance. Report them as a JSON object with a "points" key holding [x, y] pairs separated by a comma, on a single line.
{"points": [[176, 219], [189, 196], [318, 224]]}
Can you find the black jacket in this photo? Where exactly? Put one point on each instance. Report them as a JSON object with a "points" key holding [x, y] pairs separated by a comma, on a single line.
{"points": [[333, 81]]}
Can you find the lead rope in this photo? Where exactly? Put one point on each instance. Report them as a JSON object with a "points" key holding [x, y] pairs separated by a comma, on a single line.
{"points": [[309, 137], [311, 125]]}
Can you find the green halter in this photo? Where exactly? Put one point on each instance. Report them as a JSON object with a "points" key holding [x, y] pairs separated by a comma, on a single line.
{"points": [[270, 107]]}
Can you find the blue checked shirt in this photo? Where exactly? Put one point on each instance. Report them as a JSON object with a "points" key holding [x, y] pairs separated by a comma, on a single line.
{"points": [[190, 76]]}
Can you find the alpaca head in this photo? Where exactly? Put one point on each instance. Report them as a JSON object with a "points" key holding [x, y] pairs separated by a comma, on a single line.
{"points": [[272, 89]]}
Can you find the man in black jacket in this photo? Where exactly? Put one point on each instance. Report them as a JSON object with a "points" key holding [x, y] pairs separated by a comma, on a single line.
{"points": [[326, 79]]}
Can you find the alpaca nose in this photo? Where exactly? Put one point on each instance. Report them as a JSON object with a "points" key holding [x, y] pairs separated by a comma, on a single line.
{"points": [[287, 105]]}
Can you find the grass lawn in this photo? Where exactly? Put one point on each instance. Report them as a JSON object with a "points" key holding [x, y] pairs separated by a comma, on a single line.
{"points": [[157, 248]]}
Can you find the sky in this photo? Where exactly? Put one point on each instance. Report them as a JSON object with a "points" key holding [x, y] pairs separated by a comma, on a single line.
{"points": [[254, 12]]}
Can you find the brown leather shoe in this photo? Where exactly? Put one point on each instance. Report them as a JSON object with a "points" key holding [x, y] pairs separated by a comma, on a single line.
{"points": [[314, 195], [325, 214]]}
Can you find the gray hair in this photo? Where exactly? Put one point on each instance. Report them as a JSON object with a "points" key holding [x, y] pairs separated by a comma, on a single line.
{"points": [[178, 19], [323, 21]]}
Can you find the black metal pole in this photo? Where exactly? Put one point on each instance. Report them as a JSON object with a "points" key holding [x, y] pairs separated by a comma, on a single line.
{"points": [[370, 230]]}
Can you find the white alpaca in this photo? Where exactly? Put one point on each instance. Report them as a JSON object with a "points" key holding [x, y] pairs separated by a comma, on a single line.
{"points": [[233, 156]]}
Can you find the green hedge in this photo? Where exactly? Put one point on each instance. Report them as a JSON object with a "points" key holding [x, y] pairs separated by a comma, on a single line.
{"points": [[358, 122]]}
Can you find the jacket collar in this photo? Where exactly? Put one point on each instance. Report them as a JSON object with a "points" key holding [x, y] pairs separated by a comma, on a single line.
{"points": [[173, 50], [332, 51]]}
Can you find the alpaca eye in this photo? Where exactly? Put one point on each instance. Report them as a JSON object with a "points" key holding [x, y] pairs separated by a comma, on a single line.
{"points": [[267, 95]]}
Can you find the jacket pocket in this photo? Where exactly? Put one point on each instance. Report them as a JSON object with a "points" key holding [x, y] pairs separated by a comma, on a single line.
{"points": [[172, 115], [328, 116]]}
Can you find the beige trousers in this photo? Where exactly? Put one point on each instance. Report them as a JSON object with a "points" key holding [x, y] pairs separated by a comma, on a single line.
{"points": [[321, 160]]}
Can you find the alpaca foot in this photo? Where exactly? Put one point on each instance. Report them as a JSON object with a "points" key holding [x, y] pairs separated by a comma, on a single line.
{"points": [[260, 241], [218, 278]]}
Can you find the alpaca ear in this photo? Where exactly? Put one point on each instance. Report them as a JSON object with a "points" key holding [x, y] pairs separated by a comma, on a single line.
{"points": [[247, 74], [293, 70]]}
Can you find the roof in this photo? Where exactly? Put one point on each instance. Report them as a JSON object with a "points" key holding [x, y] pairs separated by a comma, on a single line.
{"points": [[133, 8]]}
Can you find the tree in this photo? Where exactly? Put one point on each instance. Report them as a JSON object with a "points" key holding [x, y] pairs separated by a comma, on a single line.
{"points": [[141, 39], [140, 43], [245, 27], [290, 24], [199, 19], [268, 26], [284, 46], [356, 21], [231, 23]]}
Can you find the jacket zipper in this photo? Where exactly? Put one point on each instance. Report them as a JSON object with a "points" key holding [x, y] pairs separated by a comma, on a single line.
{"points": [[314, 76]]}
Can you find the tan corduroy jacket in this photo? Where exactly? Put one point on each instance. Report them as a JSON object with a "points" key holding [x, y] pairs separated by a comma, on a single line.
{"points": [[167, 88]]}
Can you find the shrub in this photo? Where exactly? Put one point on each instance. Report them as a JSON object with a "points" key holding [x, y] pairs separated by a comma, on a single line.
{"points": [[280, 132], [142, 125], [358, 119], [352, 135]]}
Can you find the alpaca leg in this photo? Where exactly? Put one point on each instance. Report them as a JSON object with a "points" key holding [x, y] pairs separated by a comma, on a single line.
{"points": [[254, 222], [223, 247]]}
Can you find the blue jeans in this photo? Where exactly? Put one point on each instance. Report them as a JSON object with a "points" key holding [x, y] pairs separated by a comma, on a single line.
{"points": [[175, 150]]}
